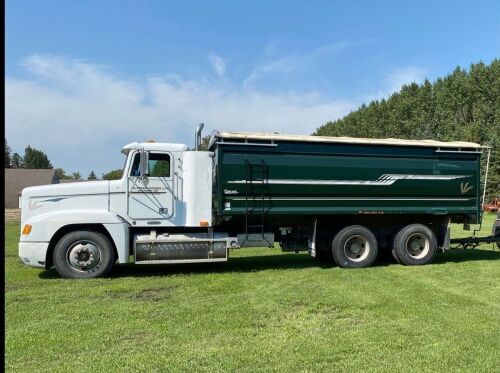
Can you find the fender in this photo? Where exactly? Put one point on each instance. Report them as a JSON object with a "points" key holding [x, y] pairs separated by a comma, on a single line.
{"points": [[44, 226]]}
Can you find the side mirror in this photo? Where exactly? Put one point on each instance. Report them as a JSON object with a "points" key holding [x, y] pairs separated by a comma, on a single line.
{"points": [[144, 163]]}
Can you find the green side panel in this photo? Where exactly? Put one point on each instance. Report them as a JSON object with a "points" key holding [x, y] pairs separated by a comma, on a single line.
{"points": [[315, 178]]}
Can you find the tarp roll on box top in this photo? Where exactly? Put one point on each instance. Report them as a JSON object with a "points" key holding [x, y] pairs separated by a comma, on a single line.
{"points": [[316, 175]]}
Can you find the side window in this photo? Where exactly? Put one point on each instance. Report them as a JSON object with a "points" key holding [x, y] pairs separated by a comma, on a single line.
{"points": [[159, 165], [135, 171]]}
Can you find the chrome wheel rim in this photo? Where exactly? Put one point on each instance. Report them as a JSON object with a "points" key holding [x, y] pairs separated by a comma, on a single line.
{"points": [[84, 256], [356, 248], [418, 245]]}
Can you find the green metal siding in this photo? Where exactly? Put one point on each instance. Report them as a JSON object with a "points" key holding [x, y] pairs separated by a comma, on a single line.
{"points": [[325, 179]]}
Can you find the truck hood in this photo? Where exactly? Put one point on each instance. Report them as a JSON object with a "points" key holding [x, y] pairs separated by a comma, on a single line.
{"points": [[61, 198], [70, 189]]}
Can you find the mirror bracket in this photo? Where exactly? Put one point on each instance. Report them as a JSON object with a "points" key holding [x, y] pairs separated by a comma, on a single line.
{"points": [[144, 163]]}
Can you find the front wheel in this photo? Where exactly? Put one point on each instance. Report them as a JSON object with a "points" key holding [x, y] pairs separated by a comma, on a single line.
{"points": [[415, 244], [354, 247], [83, 254]]}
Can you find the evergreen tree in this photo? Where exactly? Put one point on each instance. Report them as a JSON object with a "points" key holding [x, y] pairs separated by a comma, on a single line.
{"points": [[34, 158], [16, 161], [7, 155], [92, 176]]}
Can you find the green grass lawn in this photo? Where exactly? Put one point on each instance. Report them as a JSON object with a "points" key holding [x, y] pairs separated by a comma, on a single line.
{"points": [[262, 311]]}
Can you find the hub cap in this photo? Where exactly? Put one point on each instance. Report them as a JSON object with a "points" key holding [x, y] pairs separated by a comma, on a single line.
{"points": [[84, 256], [357, 248], [418, 245]]}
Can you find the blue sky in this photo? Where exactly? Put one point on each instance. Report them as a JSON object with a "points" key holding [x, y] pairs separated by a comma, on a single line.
{"points": [[83, 78]]}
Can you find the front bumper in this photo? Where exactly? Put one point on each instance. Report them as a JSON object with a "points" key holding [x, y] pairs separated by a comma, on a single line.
{"points": [[33, 254]]}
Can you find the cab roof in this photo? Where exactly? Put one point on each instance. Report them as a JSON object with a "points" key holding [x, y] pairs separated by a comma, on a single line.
{"points": [[160, 146]]}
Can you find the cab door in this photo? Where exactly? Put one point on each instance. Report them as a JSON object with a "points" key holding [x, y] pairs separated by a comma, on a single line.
{"points": [[152, 197]]}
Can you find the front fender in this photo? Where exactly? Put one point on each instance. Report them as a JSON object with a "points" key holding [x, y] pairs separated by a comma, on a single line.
{"points": [[44, 226]]}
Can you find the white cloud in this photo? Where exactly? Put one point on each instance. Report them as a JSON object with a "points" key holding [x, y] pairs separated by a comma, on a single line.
{"points": [[394, 80], [298, 60], [397, 78], [80, 113], [219, 65], [283, 65]]}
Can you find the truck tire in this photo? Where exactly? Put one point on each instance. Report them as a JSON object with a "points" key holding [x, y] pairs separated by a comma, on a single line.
{"points": [[354, 247], [83, 254], [415, 244]]}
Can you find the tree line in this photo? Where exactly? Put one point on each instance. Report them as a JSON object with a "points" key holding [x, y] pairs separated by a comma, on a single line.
{"points": [[34, 158], [462, 106]]}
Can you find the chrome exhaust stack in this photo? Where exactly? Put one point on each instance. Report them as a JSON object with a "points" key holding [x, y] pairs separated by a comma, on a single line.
{"points": [[197, 138]]}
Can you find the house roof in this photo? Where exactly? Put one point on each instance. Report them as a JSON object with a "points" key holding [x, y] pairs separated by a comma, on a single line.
{"points": [[16, 179], [345, 140], [29, 176]]}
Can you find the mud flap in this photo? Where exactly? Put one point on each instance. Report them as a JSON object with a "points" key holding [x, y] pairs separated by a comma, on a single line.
{"points": [[311, 242]]}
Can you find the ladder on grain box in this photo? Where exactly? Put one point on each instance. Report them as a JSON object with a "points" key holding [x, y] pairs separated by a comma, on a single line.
{"points": [[255, 205]]}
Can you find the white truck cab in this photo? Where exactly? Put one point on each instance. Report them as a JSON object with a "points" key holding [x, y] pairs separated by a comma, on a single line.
{"points": [[83, 228]]}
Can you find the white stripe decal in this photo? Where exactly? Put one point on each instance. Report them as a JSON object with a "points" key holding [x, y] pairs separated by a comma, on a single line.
{"points": [[386, 179]]}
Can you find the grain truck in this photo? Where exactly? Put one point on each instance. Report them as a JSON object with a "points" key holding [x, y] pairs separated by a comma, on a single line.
{"points": [[339, 198]]}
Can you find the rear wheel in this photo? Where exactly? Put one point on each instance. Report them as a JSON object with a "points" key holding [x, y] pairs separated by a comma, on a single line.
{"points": [[83, 254], [415, 244], [354, 247]]}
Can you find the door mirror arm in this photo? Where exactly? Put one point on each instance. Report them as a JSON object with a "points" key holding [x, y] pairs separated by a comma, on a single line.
{"points": [[144, 164]]}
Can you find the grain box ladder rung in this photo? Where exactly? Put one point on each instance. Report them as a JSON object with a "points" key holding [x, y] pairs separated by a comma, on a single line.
{"points": [[255, 173]]}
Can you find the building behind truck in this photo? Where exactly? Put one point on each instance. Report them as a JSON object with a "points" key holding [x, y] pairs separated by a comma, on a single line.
{"points": [[339, 198], [16, 179]]}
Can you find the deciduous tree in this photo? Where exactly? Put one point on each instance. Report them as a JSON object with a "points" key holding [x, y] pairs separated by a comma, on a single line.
{"points": [[113, 175], [16, 161], [34, 158]]}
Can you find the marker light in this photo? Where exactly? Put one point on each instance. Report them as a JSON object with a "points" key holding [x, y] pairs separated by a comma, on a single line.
{"points": [[203, 223], [26, 229]]}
